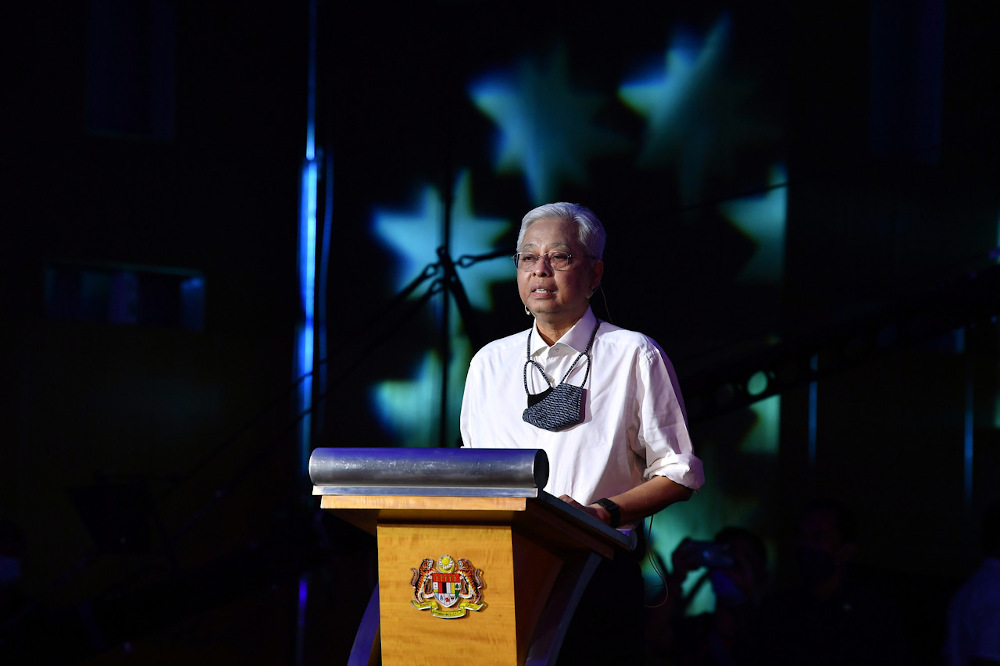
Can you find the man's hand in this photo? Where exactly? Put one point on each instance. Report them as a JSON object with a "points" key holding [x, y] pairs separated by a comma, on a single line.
{"points": [[596, 510], [644, 500], [684, 559]]}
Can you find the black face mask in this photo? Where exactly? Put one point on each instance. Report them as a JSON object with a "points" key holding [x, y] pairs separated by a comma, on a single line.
{"points": [[557, 407]]}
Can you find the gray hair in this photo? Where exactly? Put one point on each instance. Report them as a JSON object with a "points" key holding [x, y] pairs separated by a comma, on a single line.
{"points": [[591, 231]]}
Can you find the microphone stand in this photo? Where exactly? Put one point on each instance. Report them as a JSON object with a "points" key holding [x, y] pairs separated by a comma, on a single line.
{"points": [[454, 286]]}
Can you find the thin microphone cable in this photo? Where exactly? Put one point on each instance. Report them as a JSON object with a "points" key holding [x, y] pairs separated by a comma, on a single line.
{"points": [[604, 297], [655, 563]]}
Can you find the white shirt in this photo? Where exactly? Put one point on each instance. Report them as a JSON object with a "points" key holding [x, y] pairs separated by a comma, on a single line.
{"points": [[633, 428]]}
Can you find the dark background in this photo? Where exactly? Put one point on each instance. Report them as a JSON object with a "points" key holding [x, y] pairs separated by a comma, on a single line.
{"points": [[149, 471]]}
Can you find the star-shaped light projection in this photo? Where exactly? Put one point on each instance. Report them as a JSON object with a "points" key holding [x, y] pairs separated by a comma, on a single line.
{"points": [[410, 407], [696, 113], [477, 235], [547, 128], [762, 219], [415, 237]]}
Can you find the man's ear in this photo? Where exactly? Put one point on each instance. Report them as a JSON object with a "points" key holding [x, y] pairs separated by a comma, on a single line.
{"points": [[596, 273]]}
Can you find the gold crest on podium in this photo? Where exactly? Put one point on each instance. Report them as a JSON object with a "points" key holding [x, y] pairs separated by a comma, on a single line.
{"points": [[448, 588]]}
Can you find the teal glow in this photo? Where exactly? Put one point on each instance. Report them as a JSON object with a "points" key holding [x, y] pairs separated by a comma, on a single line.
{"points": [[665, 92], [719, 503], [409, 407], [476, 235], [698, 112], [416, 235], [762, 218], [996, 410], [546, 126], [757, 383], [764, 437]]}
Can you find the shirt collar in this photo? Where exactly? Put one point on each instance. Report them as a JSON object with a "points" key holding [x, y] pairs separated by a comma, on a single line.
{"points": [[576, 338]]}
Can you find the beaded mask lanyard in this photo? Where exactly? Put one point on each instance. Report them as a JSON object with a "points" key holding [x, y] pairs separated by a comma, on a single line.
{"points": [[584, 353]]}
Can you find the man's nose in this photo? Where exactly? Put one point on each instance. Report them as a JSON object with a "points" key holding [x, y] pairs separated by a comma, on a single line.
{"points": [[542, 266]]}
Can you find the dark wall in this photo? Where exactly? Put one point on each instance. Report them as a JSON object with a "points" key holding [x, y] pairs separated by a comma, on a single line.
{"points": [[878, 111], [133, 455], [96, 415]]}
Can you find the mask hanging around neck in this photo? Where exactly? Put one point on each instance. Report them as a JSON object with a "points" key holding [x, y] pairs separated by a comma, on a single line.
{"points": [[557, 407]]}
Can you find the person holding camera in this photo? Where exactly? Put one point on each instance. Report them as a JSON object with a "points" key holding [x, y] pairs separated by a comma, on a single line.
{"points": [[735, 565]]}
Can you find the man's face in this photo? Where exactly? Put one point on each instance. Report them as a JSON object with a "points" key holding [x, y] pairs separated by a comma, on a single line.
{"points": [[557, 298]]}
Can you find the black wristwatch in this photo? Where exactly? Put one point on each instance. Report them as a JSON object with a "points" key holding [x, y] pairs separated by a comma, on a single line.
{"points": [[613, 510]]}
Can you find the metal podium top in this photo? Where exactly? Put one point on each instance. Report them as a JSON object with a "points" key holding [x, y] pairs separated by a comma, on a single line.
{"points": [[462, 472]]}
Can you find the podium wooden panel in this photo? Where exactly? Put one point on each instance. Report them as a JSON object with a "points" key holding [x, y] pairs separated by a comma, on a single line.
{"points": [[536, 554]]}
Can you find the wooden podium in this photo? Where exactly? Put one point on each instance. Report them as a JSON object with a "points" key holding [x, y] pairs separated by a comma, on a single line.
{"points": [[476, 564]]}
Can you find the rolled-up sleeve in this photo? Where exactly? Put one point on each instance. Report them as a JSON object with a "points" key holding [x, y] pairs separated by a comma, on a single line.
{"points": [[663, 432]]}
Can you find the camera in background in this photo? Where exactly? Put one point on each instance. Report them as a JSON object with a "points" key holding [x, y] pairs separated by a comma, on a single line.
{"points": [[709, 554]]}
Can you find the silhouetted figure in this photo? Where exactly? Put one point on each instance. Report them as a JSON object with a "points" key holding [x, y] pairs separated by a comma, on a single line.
{"points": [[974, 613], [829, 618], [736, 568]]}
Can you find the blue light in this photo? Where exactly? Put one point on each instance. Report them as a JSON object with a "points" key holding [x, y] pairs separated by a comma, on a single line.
{"points": [[415, 236], [307, 239], [193, 303], [307, 289], [307, 297], [307, 257], [813, 396], [300, 629], [968, 434], [547, 131]]}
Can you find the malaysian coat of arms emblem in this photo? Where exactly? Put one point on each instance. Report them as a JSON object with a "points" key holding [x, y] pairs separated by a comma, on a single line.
{"points": [[448, 588]]}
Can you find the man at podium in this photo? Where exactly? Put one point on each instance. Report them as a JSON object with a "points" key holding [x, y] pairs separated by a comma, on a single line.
{"points": [[603, 403]]}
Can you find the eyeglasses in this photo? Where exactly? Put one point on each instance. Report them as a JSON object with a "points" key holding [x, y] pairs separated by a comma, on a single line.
{"points": [[559, 261]]}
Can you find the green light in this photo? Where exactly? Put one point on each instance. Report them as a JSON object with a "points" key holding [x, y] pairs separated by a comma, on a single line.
{"points": [[758, 383]]}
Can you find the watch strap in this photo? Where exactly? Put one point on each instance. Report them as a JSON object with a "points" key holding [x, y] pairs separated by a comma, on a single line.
{"points": [[613, 510]]}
